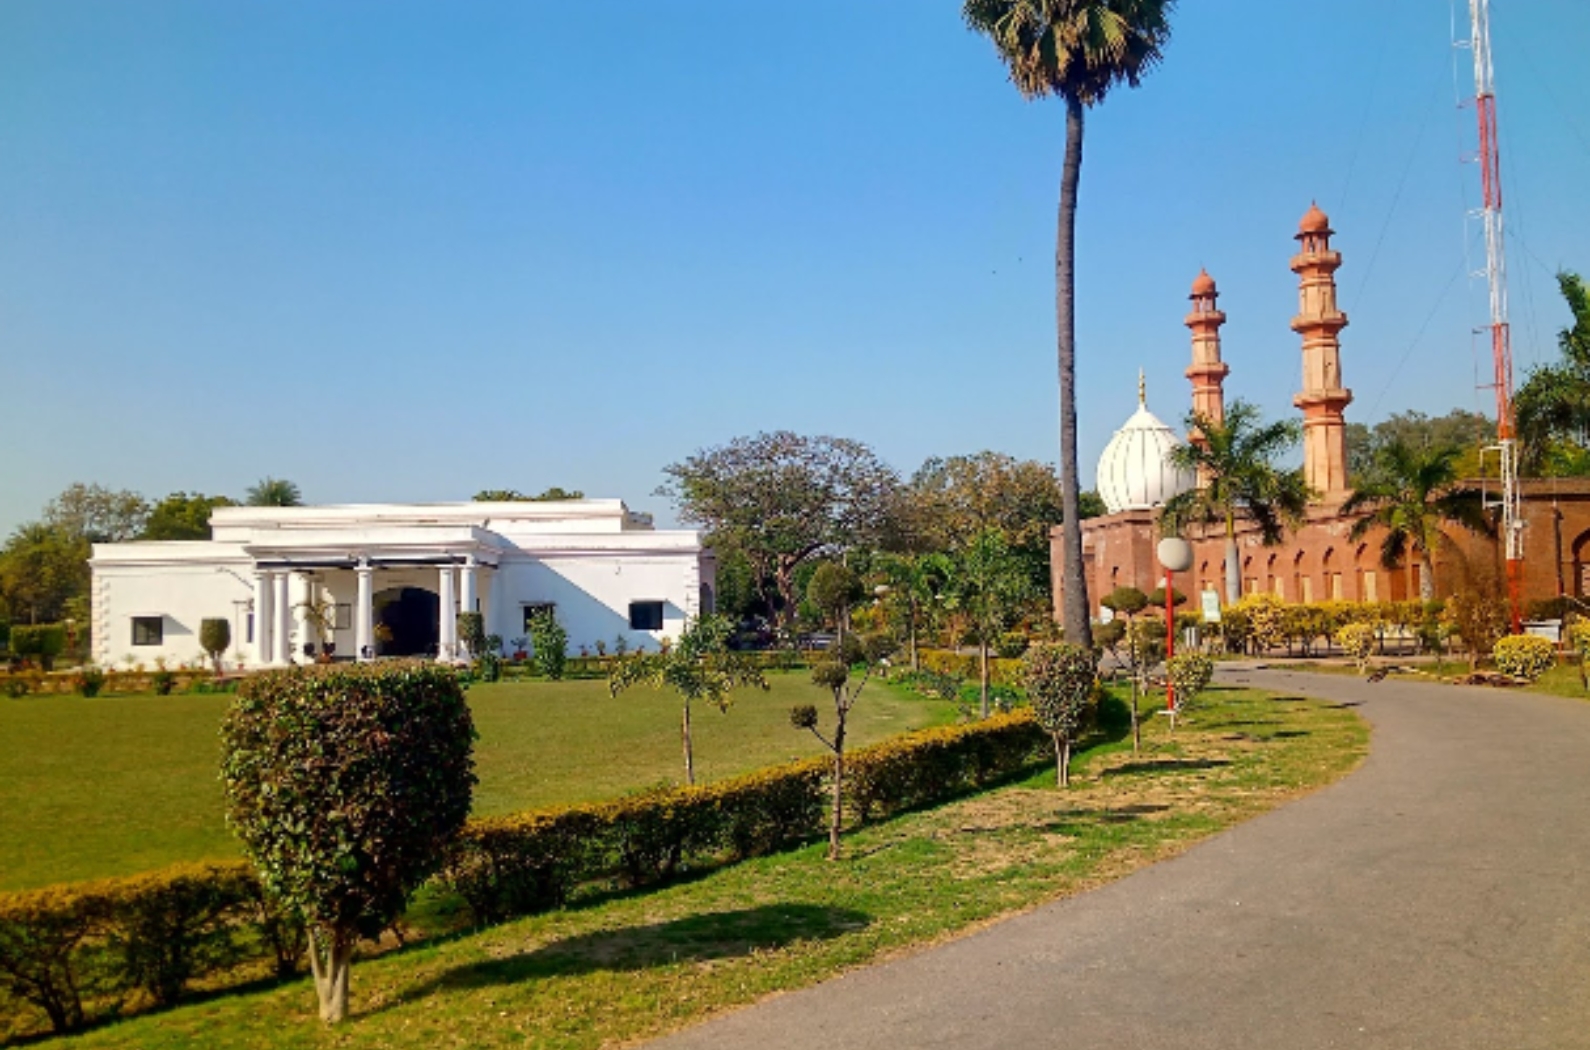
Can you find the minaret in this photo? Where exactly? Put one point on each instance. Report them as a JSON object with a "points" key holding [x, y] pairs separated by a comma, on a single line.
{"points": [[1319, 322], [1207, 372]]}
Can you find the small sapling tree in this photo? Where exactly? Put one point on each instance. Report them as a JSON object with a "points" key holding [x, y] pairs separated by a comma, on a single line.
{"points": [[833, 673], [1060, 681], [1126, 603], [1189, 674], [345, 784], [1357, 641], [214, 637], [549, 645], [700, 666]]}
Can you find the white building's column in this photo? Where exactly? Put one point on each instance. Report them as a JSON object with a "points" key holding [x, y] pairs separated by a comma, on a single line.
{"points": [[447, 634], [466, 585], [282, 631], [364, 614], [264, 616], [488, 589]]}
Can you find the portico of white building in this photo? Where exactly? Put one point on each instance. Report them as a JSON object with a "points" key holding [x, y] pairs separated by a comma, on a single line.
{"points": [[368, 581]]}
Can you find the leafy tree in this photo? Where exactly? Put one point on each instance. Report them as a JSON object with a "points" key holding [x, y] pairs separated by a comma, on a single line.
{"points": [[1237, 461], [914, 583], [1553, 405], [553, 494], [345, 785], [834, 589], [42, 568], [549, 645], [989, 584], [833, 673], [1077, 50], [1414, 493], [1469, 432], [274, 492], [1126, 603], [1189, 674], [215, 635], [950, 500], [1060, 680], [699, 667], [782, 499], [181, 516], [97, 514]]}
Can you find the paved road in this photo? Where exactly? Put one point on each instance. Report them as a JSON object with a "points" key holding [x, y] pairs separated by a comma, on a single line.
{"points": [[1438, 897]]}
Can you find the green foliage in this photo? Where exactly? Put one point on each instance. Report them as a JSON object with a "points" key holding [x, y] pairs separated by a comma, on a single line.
{"points": [[833, 589], [1060, 679], [345, 784], [1190, 674], [1357, 641], [215, 637], [155, 934], [1011, 645], [1524, 655], [1553, 404], [1126, 601], [274, 492], [549, 642], [782, 499], [43, 642], [89, 680], [472, 633], [934, 764], [1461, 429], [42, 568], [1478, 619], [181, 516], [1238, 456], [551, 495]]}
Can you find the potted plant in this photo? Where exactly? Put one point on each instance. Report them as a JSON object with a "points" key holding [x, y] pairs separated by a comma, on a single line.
{"points": [[520, 653]]}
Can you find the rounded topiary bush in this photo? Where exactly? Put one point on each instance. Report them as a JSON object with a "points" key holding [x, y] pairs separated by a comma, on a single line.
{"points": [[1524, 655], [1190, 673], [346, 783]]}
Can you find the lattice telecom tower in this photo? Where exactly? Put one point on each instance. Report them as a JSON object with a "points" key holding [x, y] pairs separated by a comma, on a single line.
{"points": [[1506, 447]]}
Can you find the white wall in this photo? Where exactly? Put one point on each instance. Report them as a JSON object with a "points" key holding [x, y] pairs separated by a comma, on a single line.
{"points": [[592, 593], [182, 595]]}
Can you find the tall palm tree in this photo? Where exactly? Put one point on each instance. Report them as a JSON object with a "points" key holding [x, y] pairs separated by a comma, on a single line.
{"points": [[275, 492], [1412, 494], [1238, 477], [1078, 50], [1553, 405]]}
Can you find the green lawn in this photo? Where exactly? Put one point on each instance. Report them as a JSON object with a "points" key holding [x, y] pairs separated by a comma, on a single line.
{"points": [[118, 785], [611, 969]]}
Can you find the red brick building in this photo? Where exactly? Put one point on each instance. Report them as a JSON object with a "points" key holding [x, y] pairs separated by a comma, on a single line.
{"points": [[1317, 561]]}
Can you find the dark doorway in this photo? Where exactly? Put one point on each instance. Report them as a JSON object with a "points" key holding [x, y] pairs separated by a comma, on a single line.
{"points": [[413, 616]]}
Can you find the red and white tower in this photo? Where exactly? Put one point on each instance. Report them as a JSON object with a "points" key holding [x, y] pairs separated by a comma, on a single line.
{"points": [[1496, 281]]}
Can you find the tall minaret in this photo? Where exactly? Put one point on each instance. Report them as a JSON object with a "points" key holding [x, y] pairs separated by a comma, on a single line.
{"points": [[1207, 372], [1319, 322]]}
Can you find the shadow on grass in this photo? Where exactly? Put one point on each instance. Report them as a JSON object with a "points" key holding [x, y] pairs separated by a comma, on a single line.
{"points": [[697, 938], [1168, 765]]}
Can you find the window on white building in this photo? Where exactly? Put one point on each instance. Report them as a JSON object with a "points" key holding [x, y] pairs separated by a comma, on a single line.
{"points": [[534, 609], [645, 616], [148, 630]]}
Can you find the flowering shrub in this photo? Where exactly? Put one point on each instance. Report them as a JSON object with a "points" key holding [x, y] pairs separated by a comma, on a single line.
{"points": [[1358, 641], [1524, 655], [1190, 674]]}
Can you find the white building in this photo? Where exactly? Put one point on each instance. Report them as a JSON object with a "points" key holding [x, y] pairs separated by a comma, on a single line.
{"points": [[394, 578]]}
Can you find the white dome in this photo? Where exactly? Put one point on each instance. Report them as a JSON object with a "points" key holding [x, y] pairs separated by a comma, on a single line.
{"points": [[1135, 472]]}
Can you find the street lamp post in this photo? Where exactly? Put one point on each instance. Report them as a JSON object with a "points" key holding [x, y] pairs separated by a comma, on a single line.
{"points": [[1176, 555]]}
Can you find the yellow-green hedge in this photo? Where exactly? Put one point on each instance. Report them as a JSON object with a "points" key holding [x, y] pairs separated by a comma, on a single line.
{"points": [[1524, 655], [966, 667], [82, 949]]}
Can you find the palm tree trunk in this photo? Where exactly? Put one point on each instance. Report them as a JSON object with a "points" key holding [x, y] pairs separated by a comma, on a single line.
{"points": [[1073, 580], [690, 752], [1233, 570], [1426, 577]]}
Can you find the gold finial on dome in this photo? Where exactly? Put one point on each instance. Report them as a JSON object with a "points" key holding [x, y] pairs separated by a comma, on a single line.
{"points": [[1142, 389]]}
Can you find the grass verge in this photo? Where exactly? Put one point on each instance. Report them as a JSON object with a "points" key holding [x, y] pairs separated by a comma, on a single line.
{"points": [[616, 967]]}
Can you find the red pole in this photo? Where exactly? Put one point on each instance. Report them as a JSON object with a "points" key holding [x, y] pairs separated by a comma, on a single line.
{"points": [[1170, 641]]}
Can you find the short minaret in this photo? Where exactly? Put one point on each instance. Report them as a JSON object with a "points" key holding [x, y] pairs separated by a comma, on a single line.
{"points": [[1208, 372], [1319, 322]]}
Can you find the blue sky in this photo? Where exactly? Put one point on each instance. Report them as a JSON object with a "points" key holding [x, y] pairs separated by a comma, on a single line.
{"points": [[405, 251]]}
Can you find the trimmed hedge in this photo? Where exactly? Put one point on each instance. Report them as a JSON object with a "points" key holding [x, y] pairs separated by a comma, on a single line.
{"points": [[965, 666], [65, 683], [517, 865], [83, 950]]}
